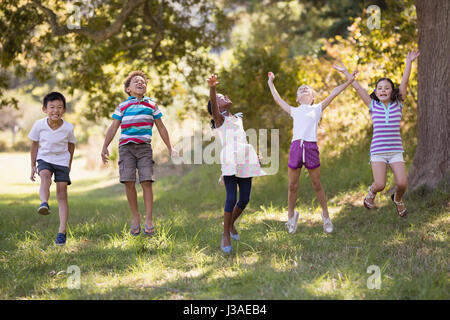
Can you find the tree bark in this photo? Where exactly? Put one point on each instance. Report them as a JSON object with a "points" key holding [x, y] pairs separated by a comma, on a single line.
{"points": [[431, 164]]}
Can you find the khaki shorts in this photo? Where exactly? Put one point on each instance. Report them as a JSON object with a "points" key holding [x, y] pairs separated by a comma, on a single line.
{"points": [[134, 156]]}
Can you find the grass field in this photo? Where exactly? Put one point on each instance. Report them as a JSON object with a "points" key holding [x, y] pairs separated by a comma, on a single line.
{"points": [[184, 261]]}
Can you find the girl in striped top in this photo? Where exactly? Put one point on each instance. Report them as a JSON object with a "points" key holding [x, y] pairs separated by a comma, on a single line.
{"points": [[385, 107]]}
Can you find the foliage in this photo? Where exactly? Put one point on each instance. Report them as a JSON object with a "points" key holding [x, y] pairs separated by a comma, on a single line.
{"points": [[274, 45], [95, 55]]}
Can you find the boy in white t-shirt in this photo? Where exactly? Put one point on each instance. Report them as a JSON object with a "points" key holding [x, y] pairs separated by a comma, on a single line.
{"points": [[304, 149], [53, 144]]}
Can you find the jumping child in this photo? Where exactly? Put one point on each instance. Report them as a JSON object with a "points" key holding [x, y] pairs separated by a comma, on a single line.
{"points": [[53, 145], [136, 117], [385, 107], [238, 158], [304, 149]]}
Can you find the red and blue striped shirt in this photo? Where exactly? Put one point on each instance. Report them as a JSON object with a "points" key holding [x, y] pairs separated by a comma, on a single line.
{"points": [[137, 119]]}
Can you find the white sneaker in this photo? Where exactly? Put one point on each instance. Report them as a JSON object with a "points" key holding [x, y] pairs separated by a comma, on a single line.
{"points": [[292, 223], [327, 225]]}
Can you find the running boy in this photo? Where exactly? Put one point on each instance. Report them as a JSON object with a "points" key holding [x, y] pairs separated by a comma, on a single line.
{"points": [[136, 117], [53, 144]]}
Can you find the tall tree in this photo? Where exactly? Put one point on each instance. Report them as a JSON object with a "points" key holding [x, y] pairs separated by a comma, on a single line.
{"points": [[431, 164]]}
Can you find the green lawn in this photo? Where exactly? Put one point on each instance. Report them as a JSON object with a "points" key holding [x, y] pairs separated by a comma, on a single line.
{"points": [[184, 261]]}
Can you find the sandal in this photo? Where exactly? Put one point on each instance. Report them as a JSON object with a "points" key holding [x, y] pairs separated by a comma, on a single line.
{"points": [[402, 213], [151, 230], [370, 195], [133, 231]]}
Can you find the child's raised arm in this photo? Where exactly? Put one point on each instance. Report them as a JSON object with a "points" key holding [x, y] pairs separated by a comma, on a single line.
{"points": [[405, 79], [217, 116], [276, 96], [336, 91], [361, 91]]}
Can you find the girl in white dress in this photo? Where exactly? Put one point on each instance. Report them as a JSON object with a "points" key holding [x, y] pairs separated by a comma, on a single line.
{"points": [[238, 158]]}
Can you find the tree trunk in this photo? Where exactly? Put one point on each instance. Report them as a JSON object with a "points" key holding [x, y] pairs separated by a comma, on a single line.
{"points": [[431, 162]]}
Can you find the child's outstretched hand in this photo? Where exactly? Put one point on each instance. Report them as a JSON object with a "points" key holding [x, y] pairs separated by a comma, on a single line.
{"points": [[412, 55], [341, 68], [271, 76], [212, 80]]}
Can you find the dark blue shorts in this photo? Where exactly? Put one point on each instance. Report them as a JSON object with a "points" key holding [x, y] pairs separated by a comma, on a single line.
{"points": [[61, 173]]}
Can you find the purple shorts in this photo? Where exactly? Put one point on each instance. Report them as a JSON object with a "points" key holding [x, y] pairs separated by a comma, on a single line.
{"points": [[304, 153]]}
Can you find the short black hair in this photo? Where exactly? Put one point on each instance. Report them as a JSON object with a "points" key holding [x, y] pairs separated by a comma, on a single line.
{"points": [[52, 96]]}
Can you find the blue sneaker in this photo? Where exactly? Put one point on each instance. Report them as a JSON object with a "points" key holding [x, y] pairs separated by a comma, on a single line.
{"points": [[44, 209], [60, 239]]}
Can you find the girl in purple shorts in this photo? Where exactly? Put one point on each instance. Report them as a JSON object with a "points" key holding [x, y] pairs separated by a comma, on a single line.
{"points": [[304, 150]]}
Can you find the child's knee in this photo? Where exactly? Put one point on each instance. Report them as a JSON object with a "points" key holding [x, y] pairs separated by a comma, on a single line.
{"points": [[146, 184], [293, 186], [379, 186], [130, 185], [46, 176], [230, 202], [317, 185], [242, 203], [61, 194], [401, 186]]}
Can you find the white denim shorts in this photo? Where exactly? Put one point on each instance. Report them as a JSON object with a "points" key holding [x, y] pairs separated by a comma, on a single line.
{"points": [[388, 157]]}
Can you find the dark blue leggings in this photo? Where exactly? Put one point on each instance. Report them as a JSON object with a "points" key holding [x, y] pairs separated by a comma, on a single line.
{"points": [[245, 187]]}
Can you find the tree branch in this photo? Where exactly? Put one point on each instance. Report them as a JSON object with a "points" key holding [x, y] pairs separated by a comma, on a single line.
{"points": [[97, 36], [156, 23]]}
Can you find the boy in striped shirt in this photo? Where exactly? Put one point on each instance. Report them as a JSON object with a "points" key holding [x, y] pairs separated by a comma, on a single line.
{"points": [[136, 117]]}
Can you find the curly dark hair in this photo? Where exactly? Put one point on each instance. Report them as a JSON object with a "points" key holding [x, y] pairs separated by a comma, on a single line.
{"points": [[395, 94], [133, 74], [213, 123]]}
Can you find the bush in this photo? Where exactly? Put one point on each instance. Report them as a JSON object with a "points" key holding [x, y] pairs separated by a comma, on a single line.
{"points": [[3, 146], [22, 145]]}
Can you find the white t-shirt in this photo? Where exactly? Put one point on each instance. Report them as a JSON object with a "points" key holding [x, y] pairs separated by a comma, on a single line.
{"points": [[53, 144], [306, 120]]}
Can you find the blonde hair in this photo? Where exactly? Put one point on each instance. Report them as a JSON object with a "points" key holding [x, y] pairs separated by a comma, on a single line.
{"points": [[314, 93]]}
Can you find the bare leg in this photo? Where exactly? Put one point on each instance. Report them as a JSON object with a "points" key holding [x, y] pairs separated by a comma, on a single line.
{"points": [[234, 216], [399, 171], [294, 178], [46, 181], [227, 217], [379, 177], [148, 201], [314, 175], [131, 193], [61, 196]]}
